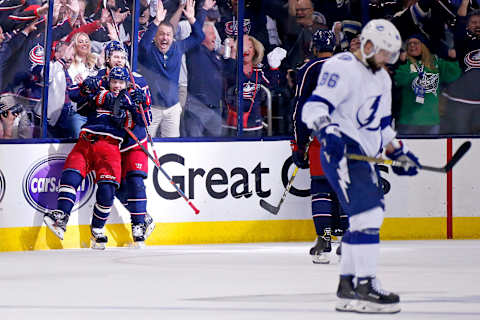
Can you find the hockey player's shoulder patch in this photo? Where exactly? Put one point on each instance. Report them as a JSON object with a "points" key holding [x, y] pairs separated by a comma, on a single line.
{"points": [[346, 56]]}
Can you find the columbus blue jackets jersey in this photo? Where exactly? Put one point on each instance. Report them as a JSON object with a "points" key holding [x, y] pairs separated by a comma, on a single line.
{"points": [[307, 76], [91, 108]]}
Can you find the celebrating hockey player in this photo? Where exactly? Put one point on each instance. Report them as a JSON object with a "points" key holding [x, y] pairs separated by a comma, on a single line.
{"points": [[134, 161], [326, 210], [97, 149], [350, 112]]}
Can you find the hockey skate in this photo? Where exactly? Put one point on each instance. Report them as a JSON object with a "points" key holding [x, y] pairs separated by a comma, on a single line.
{"points": [[99, 239], [346, 294], [339, 249], [149, 225], [373, 299], [138, 234], [338, 233], [56, 221], [320, 252]]}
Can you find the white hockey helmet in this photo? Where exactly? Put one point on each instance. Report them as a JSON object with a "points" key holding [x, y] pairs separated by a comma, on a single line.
{"points": [[384, 36]]}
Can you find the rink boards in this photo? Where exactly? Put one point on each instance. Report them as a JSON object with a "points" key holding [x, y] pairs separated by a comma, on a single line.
{"points": [[226, 180]]}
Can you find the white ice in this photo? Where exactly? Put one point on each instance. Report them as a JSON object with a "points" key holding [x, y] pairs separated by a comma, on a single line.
{"points": [[435, 280]]}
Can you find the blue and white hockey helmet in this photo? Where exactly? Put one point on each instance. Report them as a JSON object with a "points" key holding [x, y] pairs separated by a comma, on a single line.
{"points": [[323, 41], [111, 47], [384, 36], [119, 73]]}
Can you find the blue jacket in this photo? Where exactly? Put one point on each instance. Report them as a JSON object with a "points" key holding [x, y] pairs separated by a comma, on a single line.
{"points": [[162, 71], [205, 75], [9, 48], [28, 65]]}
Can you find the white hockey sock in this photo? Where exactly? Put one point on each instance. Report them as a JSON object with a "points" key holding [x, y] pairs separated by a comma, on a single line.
{"points": [[365, 258], [347, 263]]}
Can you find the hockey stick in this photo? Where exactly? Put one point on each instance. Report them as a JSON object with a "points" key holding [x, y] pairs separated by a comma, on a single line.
{"points": [[271, 208], [446, 168], [154, 158], [132, 80], [159, 167]]}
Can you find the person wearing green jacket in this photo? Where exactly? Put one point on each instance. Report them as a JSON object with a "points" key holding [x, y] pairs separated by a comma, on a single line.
{"points": [[419, 79]]}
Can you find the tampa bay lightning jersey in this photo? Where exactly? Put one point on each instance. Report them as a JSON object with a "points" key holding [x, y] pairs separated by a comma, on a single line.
{"points": [[356, 99]]}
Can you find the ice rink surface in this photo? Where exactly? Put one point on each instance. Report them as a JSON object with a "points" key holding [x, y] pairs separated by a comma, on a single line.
{"points": [[435, 280]]}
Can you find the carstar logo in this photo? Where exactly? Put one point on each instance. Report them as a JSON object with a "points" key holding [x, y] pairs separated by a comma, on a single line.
{"points": [[41, 182]]}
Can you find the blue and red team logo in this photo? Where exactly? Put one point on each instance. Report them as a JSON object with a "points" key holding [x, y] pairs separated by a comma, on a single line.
{"points": [[2, 185], [41, 182], [36, 56]]}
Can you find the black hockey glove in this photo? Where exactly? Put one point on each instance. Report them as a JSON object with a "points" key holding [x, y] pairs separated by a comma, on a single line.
{"points": [[108, 100], [138, 96], [90, 86], [299, 156]]}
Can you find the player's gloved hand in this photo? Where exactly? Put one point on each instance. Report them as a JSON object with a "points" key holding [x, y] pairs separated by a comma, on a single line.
{"points": [[332, 143], [410, 161], [90, 86], [138, 96], [275, 57], [106, 99], [299, 156], [124, 100]]}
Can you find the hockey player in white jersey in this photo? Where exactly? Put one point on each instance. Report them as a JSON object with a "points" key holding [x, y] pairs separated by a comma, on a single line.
{"points": [[350, 112]]}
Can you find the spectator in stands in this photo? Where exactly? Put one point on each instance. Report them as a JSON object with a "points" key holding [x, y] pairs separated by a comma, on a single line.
{"points": [[346, 32], [336, 10], [143, 21], [60, 112], [108, 32], [419, 79], [354, 44], [16, 14], [203, 106], [7, 120], [467, 37], [15, 122], [462, 114], [9, 48], [84, 61], [183, 31], [254, 75], [255, 19], [83, 65], [91, 27], [161, 60], [28, 65], [429, 18], [302, 23]]}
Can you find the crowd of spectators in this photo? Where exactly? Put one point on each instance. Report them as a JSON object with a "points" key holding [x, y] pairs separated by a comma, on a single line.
{"points": [[187, 54]]}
